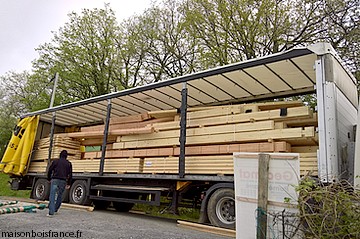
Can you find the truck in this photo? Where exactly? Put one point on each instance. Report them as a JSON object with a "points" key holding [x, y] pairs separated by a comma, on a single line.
{"points": [[175, 138]]}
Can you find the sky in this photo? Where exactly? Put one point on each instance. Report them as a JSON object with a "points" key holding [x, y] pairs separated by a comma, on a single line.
{"points": [[26, 24]]}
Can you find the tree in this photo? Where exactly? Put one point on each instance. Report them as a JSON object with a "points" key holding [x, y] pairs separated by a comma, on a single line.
{"points": [[237, 30], [85, 55], [165, 48]]}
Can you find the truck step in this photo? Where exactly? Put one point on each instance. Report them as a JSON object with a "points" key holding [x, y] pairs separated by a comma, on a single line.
{"points": [[152, 193]]}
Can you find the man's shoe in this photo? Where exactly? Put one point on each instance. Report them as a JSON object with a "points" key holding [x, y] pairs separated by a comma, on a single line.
{"points": [[49, 215]]}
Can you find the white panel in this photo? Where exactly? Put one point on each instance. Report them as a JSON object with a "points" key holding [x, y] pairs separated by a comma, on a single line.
{"points": [[128, 107], [303, 63], [93, 109], [143, 106], [120, 107], [196, 94], [211, 89], [345, 82], [152, 101], [165, 98], [228, 86], [267, 78], [177, 93], [346, 117], [284, 170], [291, 74], [248, 83]]}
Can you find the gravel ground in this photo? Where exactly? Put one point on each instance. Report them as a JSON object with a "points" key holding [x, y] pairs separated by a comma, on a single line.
{"points": [[96, 224]]}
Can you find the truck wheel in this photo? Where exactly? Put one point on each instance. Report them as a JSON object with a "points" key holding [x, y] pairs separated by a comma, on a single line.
{"points": [[122, 206], [101, 205], [65, 196], [41, 190], [221, 208], [77, 194]]}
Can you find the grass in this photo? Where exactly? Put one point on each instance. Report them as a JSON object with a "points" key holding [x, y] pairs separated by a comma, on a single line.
{"points": [[5, 189]]}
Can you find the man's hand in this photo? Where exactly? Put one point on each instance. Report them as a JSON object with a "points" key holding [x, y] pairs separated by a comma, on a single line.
{"points": [[67, 187]]}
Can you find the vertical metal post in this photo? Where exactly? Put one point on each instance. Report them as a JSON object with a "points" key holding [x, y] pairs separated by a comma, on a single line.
{"points": [[106, 131], [183, 113], [53, 119], [54, 90], [51, 139]]}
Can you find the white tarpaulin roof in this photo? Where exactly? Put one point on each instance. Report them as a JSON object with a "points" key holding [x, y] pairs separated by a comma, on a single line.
{"points": [[278, 75]]}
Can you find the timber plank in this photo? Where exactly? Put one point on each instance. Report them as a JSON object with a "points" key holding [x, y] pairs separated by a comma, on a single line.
{"points": [[130, 118], [209, 130], [278, 134], [100, 134], [134, 125], [195, 150], [296, 112]]}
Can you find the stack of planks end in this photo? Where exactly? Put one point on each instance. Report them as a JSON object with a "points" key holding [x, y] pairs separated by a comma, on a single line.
{"points": [[41, 151]]}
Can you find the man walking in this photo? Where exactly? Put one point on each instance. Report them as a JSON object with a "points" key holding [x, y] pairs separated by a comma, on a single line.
{"points": [[60, 174]]}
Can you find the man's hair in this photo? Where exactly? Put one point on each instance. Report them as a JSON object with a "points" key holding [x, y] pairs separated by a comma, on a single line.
{"points": [[63, 154]]}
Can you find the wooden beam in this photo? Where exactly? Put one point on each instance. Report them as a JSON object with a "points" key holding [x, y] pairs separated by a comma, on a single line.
{"points": [[130, 118], [100, 134], [194, 150], [163, 113], [292, 113], [263, 186], [207, 228], [209, 130], [253, 136]]}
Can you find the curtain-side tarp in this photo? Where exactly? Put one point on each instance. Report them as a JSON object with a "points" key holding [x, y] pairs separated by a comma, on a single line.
{"points": [[16, 157]]}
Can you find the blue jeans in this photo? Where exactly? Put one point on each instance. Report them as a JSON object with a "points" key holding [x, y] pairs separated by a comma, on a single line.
{"points": [[56, 191]]}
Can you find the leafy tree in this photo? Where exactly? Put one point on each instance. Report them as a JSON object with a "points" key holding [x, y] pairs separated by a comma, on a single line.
{"points": [[236, 30], [165, 47], [85, 55]]}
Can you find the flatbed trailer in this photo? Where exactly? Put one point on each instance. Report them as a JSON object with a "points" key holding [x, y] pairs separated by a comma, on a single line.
{"points": [[309, 70]]}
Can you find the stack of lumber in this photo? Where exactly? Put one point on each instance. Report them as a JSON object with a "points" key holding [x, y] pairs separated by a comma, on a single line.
{"points": [[41, 152], [149, 142], [213, 134], [41, 148]]}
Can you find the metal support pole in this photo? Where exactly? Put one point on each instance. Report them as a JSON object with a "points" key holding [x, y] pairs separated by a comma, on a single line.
{"points": [[51, 139], [183, 113], [54, 90], [52, 120], [106, 131], [175, 203]]}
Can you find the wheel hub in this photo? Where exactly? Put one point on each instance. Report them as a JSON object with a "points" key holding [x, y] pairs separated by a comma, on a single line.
{"points": [[78, 194], [225, 210], [40, 191]]}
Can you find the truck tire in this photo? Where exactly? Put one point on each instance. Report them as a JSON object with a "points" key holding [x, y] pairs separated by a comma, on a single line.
{"points": [[122, 206], [65, 196], [41, 190], [101, 205], [221, 208], [78, 193]]}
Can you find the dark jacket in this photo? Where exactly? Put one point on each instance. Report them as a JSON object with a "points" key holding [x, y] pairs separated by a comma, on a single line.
{"points": [[60, 169]]}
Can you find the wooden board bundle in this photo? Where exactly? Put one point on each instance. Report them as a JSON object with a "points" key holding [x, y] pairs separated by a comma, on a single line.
{"points": [[194, 150], [41, 148], [123, 165], [149, 142], [58, 141]]}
